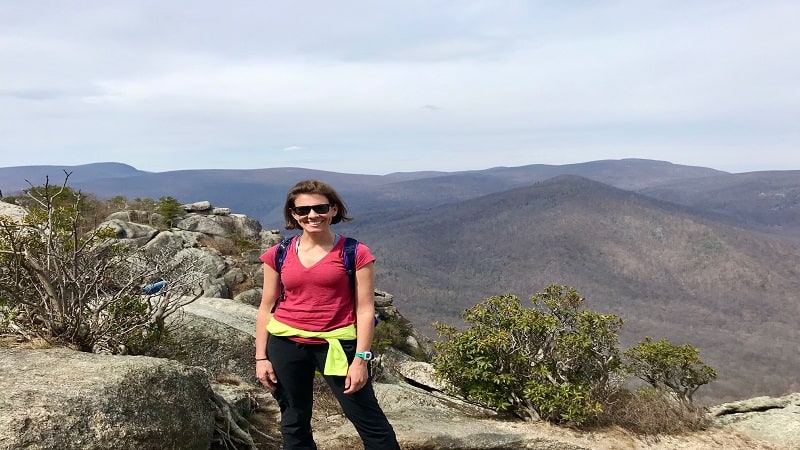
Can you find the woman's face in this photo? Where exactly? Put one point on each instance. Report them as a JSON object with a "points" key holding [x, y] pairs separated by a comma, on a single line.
{"points": [[309, 212]]}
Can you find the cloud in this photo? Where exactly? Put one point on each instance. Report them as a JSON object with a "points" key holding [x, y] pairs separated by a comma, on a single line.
{"points": [[35, 94], [511, 83]]}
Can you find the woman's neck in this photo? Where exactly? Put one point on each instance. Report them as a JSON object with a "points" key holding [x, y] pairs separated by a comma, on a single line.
{"points": [[324, 239]]}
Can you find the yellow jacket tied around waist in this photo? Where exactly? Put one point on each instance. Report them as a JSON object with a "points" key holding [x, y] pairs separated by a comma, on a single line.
{"points": [[336, 359]]}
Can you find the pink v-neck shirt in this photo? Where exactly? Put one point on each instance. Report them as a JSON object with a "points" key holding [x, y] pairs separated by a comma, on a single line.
{"points": [[317, 298]]}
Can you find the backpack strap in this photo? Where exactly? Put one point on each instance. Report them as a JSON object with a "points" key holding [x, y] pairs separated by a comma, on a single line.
{"points": [[350, 246], [280, 255]]}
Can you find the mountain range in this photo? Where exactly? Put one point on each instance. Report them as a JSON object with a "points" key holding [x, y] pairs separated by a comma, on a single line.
{"points": [[689, 253]]}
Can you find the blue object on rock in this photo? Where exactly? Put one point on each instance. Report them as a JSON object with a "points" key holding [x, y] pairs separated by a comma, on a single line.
{"points": [[151, 289]]}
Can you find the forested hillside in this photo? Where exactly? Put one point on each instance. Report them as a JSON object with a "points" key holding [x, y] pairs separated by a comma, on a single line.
{"points": [[667, 272], [764, 201]]}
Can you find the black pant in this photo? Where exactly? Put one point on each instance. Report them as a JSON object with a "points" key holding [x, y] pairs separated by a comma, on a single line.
{"points": [[295, 366]]}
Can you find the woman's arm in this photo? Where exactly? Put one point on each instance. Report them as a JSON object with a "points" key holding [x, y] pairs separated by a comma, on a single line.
{"points": [[358, 375], [270, 291]]}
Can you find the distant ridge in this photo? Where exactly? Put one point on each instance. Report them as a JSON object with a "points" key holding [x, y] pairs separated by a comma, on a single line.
{"points": [[13, 179], [259, 193]]}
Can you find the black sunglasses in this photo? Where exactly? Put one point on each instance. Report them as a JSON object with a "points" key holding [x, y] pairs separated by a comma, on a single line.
{"points": [[305, 210]]}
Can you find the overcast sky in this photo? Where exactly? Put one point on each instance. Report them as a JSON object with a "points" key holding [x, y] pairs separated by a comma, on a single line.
{"points": [[384, 86]]}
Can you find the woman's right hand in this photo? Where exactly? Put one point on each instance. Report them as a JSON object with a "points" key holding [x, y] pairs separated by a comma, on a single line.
{"points": [[265, 374]]}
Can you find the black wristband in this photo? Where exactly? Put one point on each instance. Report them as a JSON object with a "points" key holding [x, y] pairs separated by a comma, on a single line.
{"points": [[262, 359]]}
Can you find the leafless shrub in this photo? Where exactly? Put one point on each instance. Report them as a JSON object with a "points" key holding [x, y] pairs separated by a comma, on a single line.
{"points": [[66, 283], [649, 411]]}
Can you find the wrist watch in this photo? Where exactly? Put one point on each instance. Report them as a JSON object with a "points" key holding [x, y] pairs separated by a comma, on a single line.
{"points": [[366, 356]]}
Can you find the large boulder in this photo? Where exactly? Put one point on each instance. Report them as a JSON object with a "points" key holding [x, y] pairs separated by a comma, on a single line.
{"points": [[218, 334], [211, 225], [249, 297], [246, 227], [130, 230], [208, 262], [222, 225], [197, 207], [269, 238], [15, 212], [60, 398], [173, 241], [773, 419]]}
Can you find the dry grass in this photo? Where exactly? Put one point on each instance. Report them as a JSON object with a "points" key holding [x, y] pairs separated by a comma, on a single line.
{"points": [[325, 402], [652, 412], [10, 341], [225, 246], [229, 378]]}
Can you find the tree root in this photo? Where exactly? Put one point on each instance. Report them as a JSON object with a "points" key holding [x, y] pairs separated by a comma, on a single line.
{"points": [[231, 430]]}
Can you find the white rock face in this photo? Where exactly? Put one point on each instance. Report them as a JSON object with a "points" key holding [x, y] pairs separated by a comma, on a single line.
{"points": [[14, 211], [773, 419]]}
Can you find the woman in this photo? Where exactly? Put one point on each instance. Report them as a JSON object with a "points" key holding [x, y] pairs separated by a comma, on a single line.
{"points": [[308, 318]]}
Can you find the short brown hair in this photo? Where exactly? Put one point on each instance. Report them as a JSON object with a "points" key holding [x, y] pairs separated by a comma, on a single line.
{"points": [[313, 187]]}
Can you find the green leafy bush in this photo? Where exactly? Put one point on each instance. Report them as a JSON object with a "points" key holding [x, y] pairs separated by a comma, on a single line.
{"points": [[666, 366], [552, 361], [562, 364]]}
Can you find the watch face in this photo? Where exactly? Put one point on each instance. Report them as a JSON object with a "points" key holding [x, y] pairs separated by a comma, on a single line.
{"points": [[366, 356]]}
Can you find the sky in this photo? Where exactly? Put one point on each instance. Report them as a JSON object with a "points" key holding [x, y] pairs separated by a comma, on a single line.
{"points": [[380, 86]]}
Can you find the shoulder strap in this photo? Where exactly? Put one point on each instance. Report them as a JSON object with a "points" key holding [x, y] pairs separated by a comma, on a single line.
{"points": [[280, 253], [350, 246]]}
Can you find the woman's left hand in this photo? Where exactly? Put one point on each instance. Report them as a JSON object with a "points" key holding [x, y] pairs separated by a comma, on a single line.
{"points": [[357, 376]]}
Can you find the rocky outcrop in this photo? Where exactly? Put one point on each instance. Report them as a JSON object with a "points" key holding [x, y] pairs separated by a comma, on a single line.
{"points": [[226, 245], [204, 218], [59, 398], [771, 419], [131, 230], [432, 421], [385, 309]]}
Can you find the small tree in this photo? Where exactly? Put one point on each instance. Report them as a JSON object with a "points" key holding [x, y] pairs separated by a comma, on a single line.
{"points": [[169, 209], [118, 203], [63, 283], [552, 361], [666, 366]]}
